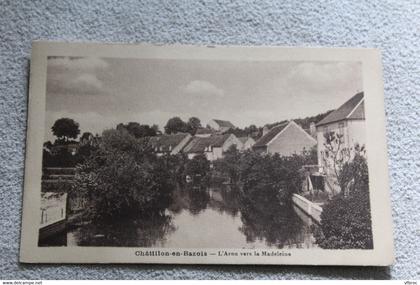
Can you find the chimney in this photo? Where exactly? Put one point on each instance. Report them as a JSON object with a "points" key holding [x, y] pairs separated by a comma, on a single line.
{"points": [[265, 130], [312, 129]]}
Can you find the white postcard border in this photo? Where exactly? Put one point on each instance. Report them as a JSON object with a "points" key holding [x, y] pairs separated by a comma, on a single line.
{"points": [[381, 255]]}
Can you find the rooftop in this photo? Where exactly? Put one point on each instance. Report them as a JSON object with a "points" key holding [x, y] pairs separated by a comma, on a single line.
{"points": [[353, 109], [243, 139], [199, 144], [167, 142], [224, 124], [202, 131], [264, 140]]}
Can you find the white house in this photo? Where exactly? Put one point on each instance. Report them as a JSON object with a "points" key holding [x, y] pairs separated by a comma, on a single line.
{"points": [[169, 144], [348, 121], [247, 142], [347, 125], [285, 139], [213, 147], [205, 132], [220, 125]]}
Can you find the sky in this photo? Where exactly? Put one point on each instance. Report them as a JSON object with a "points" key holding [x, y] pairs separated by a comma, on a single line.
{"points": [[99, 93]]}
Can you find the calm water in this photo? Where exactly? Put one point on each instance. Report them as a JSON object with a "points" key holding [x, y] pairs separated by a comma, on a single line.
{"points": [[203, 218]]}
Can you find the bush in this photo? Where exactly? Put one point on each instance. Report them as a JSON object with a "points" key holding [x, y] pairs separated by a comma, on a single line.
{"points": [[122, 179], [346, 220], [62, 158], [271, 176], [198, 168], [175, 164], [84, 152], [229, 165]]}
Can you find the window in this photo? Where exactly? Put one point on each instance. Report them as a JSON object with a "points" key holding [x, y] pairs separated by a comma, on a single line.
{"points": [[341, 131], [341, 128]]}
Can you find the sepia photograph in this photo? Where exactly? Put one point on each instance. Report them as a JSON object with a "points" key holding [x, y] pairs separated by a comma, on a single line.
{"points": [[204, 155]]}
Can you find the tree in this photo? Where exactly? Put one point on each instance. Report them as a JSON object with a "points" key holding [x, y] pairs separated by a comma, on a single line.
{"points": [[123, 179], [335, 155], [253, 131], [176, 125], [271, 177], [155, 128], [198, 168], [194, 124], [250, 131], [47, 145], [137, 130], [354, 174], [87, 146], [230, 164], [346, 220], [65, 129], [86, 137]]}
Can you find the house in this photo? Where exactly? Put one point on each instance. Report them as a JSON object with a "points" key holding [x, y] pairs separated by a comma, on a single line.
{"points": [[169, 144], [348, 121], [247, 143], [285, 139], [205, 132], [220, 125], [213, 147]]}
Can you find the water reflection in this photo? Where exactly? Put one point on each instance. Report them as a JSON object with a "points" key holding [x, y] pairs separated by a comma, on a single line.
{"points": [[226, 199], [200, 216], [277, 225], [143, 232], [191, 198]]}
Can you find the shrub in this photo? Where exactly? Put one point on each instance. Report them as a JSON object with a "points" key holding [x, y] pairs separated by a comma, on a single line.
{"points": [[62, 158], [271, 176], [123, 178], [198, 168], [84, 152], [175, 164], [229, 165], [346, 220]]}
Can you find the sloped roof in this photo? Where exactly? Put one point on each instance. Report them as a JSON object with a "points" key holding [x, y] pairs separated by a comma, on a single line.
{"points": [[224, 124], [243, 139], [167, 142], [345, 111], [358, 113], [203, 131], [264, 140], [198, 144]]}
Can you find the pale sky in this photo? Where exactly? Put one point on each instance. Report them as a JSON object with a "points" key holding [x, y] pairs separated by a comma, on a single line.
{"points": [[99, 93]]}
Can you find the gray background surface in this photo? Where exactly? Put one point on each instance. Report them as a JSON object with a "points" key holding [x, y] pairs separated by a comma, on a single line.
{"points": [[392, 26]]}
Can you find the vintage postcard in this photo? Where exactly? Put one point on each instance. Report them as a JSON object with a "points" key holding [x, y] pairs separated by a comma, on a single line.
{"points": [[211, 155]]}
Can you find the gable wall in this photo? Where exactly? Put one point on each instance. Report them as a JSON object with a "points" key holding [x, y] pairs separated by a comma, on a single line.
{"points": [[292, 140], [232, 140], [354, 132], [248, 144], [357, 132], [213, 125]]}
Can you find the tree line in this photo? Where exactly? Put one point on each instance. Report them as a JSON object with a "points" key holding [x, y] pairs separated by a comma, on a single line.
{"points": [[67, 130], [122, 178]]}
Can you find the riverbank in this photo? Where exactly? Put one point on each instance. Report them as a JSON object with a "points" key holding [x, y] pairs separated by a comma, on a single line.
{"points": [[311, 209], [189, 222]]}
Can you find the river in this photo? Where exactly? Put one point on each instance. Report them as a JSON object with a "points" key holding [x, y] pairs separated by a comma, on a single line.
{"points": [[202, 218]]}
